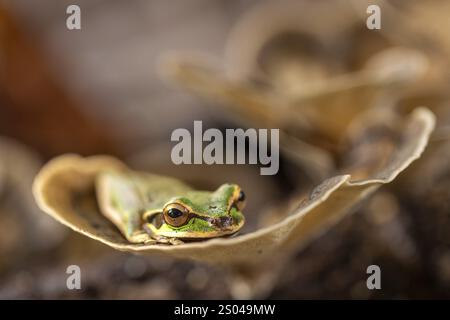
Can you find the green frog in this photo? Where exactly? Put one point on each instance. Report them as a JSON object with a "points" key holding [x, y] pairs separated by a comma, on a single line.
{"points": [[149, 208]]}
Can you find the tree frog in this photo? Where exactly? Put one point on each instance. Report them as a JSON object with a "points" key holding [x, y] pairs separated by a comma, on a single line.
{"points": [[149, 208]]}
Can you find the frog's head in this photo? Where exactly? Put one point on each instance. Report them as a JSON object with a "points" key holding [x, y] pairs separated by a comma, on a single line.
{"points": [[200, 214]]}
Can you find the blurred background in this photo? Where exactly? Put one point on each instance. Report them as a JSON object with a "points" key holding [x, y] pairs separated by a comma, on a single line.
{"points": [[99, 90]]}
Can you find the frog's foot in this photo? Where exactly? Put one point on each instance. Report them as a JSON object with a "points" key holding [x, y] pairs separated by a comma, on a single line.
{"points": [[141, 237], [175, 241], [150, 241], [159, 239], [165, 240]]}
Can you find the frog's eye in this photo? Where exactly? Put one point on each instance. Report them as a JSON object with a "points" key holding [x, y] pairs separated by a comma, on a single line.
{"points": [[240, 201], [175, 214]]}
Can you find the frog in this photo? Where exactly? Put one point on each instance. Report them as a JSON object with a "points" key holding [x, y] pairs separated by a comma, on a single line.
{"points": [[154, 209]]}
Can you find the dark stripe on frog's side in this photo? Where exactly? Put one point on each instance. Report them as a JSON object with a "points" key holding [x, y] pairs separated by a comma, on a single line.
{"points": [[221, 222]]}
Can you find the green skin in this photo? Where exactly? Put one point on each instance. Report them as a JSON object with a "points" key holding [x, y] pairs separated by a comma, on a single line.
{"points": [[134, 202]]}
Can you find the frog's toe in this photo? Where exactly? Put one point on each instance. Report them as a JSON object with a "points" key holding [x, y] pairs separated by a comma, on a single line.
{"points": [[175, 241], [162, 240], [140, 237], [150, 241]]}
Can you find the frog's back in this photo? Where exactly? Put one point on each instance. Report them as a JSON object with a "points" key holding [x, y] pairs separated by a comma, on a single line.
{"points": [[124, 195], [144, 188]]}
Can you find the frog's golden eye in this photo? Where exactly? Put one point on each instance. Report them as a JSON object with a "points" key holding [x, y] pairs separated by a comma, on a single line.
{"points": [[240, 201], [175, 214]]}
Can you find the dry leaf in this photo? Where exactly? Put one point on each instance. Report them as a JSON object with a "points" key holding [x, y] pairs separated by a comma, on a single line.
{"points": [[301, 111], [65, 187]]}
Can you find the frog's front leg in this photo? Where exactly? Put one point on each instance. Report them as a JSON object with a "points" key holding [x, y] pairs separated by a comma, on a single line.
{"points": [[141, 237], [160, 239]]}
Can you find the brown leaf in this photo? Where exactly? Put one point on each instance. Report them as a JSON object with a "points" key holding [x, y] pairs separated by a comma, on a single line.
{"points": [[68, 181]]}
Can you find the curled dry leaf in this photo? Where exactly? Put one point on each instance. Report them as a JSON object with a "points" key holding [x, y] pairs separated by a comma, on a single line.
{"points": [[341, 97], [65, 190]]}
